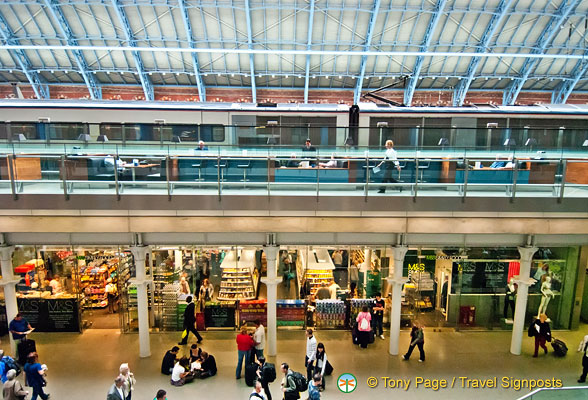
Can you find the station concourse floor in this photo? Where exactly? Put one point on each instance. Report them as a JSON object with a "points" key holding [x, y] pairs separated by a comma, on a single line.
{"points": [[83, 366]]}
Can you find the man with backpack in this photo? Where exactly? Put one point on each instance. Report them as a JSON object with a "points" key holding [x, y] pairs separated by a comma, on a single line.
{"points": [[6, 364], [314, 392], [258, 392], [291, 383], [266, 374]]}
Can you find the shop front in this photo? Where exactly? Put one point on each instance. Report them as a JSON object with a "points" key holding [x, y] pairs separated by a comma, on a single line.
{"points": [[69, 289]]}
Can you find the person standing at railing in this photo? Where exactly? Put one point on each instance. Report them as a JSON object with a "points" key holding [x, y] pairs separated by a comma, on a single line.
{"points": [[584, 349], [386, 164]]}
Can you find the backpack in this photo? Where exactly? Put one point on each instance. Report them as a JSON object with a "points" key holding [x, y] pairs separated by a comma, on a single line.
{"points": [[364, 325], [299, 381], [269, 372], [10, 364]]}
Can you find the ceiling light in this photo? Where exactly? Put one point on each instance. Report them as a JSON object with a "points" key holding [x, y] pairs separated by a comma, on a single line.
{"points": [[150, 73], [286, 76], [218, 74], [314, 77], [52, 71], [340, 77], [300, 76], [10, 71], [232, 75], [163, 73], [205, 74], [327, 76], [107, 72], [273, 76]]}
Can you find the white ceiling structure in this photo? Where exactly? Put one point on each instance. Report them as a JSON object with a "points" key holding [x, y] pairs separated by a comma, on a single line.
{"points": [[453, 45]]}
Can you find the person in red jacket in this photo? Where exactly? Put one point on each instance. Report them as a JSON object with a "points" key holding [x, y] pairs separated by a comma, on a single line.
{"points": [[244, 345]]}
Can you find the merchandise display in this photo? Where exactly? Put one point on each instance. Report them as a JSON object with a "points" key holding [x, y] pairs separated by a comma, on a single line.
{"points": [[330, 314], [319, 268], [173, 313], [253, 310], [94, 275], [290, 312], [239, 276]]}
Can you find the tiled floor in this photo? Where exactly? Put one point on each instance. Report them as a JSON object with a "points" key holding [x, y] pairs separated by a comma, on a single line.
{"points": [[82, 366]]}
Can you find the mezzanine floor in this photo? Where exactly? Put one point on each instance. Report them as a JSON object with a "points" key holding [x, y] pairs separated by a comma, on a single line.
{"points": [[82, 366]]}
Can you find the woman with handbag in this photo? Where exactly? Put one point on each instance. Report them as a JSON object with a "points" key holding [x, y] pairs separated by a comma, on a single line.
{"points": [[323, 366], [12, 389]]}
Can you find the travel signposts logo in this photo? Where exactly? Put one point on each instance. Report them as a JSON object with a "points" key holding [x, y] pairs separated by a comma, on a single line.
{"points": [[346, 383]]}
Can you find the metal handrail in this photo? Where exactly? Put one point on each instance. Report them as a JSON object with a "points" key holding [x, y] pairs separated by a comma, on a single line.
{"points": [[534, 392]]}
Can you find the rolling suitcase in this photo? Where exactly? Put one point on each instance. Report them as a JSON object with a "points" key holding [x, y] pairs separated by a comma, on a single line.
{"points": [[559, 348], [355, 334], [25, 347], [250, 374]]}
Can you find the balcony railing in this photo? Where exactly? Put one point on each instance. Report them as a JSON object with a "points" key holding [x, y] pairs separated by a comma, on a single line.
{"points": [[282, 171]]}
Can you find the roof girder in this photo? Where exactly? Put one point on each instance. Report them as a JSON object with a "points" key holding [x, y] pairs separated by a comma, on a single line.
{"points": [[368, 42], [84, 70], [413, 80], [145, 82], [308, 47], [546, 37], [20, 58], [195, 63], [250, 46]]}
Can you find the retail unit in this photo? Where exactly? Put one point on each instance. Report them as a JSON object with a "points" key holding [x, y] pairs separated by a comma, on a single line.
{"points": [[316, 266], [239, 276]]}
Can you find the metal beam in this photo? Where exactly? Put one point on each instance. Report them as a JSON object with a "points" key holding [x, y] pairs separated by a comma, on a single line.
{"points": [[145, 82], [308, 47], [20, 58], [281, 52], [250, 46], [195, 63], [413, 80], [464, 84], [368, 42], [564, 89], [83, 69], [547, 35]]}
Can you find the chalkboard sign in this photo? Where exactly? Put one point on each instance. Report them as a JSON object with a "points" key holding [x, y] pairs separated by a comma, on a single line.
{"points": [[51, 315], [217, 316], [482, 277]]}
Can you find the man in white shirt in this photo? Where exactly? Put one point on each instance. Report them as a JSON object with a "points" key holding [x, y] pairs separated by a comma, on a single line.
{"points": [[584, 349], [310, 353], [389, 158], [259, 338]]}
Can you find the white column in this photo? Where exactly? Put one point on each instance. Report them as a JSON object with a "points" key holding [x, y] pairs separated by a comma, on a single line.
{"points": [[396, 281], [271, 283], [523, 280], [140, 254], [8, 283]]}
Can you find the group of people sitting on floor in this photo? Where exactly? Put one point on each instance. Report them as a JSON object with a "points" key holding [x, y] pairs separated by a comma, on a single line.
{"points": [[199, 364]]}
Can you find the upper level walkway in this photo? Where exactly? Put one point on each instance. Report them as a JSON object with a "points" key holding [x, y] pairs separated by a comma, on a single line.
{"points": [[180, 172]]}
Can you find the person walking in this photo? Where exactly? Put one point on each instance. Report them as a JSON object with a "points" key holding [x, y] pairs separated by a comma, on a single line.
{"points": [[364, 319], [288, 385], [259, 338], [417, 338], [542, 332], [378, 308], [262, 378], [35, 377], [323, 367], [12, 388], [389, 160], [190, 322], [314, 387], [244, 345], [310, 353], [129, 383], [116, 392], [584, 349]]}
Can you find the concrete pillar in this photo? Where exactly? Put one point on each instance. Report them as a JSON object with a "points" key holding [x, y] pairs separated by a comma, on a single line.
{"points": [[396, 281], [271, 282], [140, 254], [8, 283], [523, 280]]}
